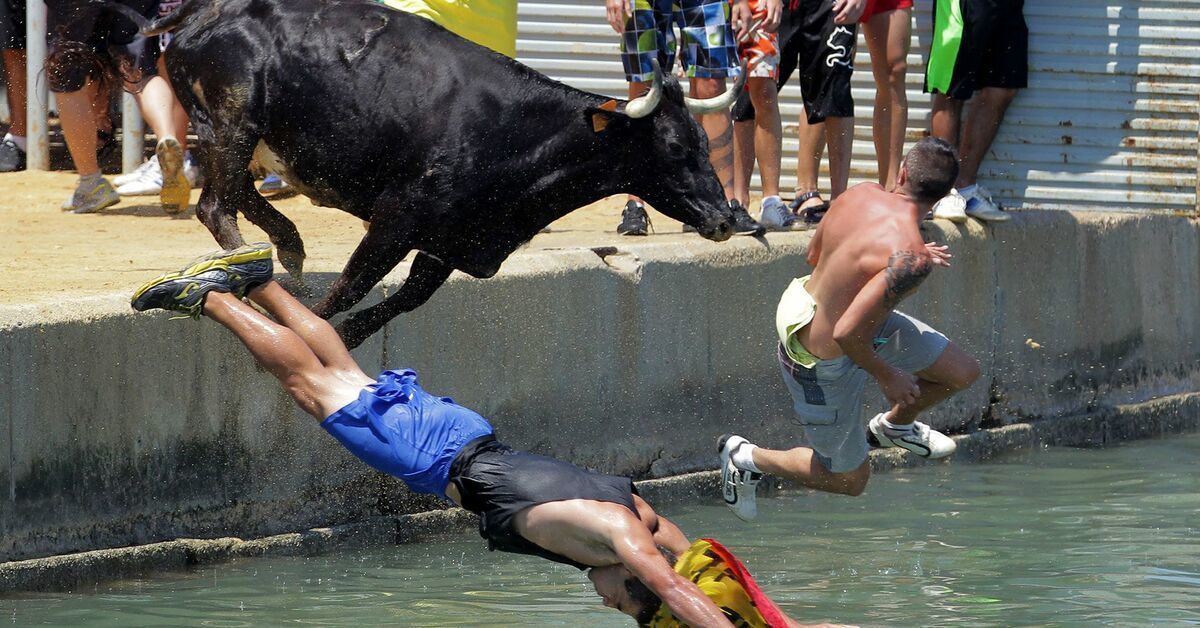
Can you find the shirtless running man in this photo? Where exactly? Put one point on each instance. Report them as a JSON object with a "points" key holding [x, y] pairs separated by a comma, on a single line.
{"points": [[838, 325], [528, 504]]}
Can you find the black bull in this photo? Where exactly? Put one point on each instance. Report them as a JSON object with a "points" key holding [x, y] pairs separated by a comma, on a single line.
{"points": [[441, 145]]}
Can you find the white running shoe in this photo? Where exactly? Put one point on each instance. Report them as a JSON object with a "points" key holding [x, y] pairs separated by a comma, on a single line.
{"points": [[129, 177], [952, 207], [91, 198], [775, 215], [924, 441], [980, 206], [737, 485]]}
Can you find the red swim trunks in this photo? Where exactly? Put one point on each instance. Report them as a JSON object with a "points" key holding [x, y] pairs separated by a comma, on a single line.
{"points": [[875, 7]]}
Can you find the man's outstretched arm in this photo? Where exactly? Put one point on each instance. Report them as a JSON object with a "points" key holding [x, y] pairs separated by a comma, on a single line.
{"points": [[635, 548], [855, 330]]}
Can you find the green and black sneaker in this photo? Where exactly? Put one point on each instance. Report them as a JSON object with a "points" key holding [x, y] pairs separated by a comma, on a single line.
{"points": [[184, 291], [248, 266]]}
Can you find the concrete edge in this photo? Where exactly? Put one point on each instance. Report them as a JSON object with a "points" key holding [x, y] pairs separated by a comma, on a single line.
{"points": [[70, 572]]}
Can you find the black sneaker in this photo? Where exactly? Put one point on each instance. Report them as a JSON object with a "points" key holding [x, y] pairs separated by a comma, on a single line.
{"points": [[634, 221], [743, 224], [183, 292], [12, 158], [813, 213], [249, 266]]}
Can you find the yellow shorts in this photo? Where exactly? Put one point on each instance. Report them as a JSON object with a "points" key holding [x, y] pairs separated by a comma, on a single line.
{"points": [[490, 23]]}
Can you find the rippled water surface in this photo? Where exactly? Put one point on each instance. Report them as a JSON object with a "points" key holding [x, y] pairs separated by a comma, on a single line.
{"points": [[1063, 537]]}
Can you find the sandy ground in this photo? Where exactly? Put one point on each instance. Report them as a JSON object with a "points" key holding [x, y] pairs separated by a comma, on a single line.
{"points": [[48, 253]]}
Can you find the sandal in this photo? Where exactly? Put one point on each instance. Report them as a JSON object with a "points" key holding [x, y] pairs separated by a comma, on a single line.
{"points": [[813, 213]]}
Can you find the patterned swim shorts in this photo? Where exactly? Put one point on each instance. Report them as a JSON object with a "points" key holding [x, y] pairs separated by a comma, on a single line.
{"points": [[708, 48]]}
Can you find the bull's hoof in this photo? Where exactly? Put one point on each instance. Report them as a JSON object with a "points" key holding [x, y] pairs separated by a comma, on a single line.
{"points": [[291, 261]]}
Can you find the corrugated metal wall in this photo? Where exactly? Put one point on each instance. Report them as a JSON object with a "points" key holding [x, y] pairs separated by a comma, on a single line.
{"points": [[1109, 120]]}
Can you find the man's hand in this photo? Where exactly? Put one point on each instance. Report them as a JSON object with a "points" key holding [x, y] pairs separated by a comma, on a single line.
{"points": [[900, 388], [848, 11], [940, 254], [774, 16], [619, 11], [740, 17]]}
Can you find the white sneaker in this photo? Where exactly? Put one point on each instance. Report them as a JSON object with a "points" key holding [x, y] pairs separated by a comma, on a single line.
{"points": [[981, 206], [924, 441], [87, 199], [148, 180], [952, 207], [775, 215], [139, 172], [738, 486]]}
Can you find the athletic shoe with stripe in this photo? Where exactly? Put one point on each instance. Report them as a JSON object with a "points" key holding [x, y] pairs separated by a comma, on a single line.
{"points": [[248, 266], [923, 440], [738, 486], [183, 291]]}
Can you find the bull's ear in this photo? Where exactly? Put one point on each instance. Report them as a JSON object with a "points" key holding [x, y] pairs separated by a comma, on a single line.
{"points": [[602, 115]]}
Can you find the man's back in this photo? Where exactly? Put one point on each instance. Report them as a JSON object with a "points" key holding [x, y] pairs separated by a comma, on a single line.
{"points": [[858, 238]]}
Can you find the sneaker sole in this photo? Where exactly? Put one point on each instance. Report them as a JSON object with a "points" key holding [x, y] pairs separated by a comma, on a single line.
{"points": [[958, 220], [91, 210], [176, 191]]}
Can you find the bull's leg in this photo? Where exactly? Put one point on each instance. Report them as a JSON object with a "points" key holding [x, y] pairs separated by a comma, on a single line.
{"points": [[217, 207], [377, 254], [427, 275], [282, 232]]}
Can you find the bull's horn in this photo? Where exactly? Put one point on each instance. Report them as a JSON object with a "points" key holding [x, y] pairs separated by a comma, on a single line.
{"points": [[718, 103], [644, 105]]}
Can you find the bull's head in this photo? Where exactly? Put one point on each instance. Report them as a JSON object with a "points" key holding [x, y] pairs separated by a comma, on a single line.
{"points": [[664, 153]]}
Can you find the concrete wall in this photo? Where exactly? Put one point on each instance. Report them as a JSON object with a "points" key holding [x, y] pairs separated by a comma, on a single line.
{"points": [[119, 428]]}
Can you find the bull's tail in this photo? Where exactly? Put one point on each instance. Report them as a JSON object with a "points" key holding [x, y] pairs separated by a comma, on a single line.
{"points": [[146, 26]]}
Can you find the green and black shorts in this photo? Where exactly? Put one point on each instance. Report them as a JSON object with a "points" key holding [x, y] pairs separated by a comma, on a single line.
{"points": [[977, 44]]}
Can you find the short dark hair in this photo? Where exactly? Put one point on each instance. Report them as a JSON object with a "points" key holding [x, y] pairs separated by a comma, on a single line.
{"points": [[641, 594], [932, 167]]}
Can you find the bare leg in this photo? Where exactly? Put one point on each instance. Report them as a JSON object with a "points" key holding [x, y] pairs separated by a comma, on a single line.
{"points": [[801, 466], [888, 38], [743, 160], [979, 130], [636, 89], [944, 120], [719, 129], [179, 117], [839, 134], [78, 119], [158, 103], [285, 355], [953, 371], [808, 158], [316, 332], [768, 133], [14, 76]]}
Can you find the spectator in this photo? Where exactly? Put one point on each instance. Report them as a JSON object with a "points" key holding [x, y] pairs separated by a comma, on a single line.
{"points": [[821, 35], [887, 25], [761, 137], [12, 48], [87, 44], [980, 52], [489, 23], [708, 53], [147, 179]]}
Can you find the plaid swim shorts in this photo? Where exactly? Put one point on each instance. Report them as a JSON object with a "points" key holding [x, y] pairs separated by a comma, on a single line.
{"points": [[708, 48]]}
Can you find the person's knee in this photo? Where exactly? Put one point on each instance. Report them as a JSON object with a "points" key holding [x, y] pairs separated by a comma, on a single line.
{"points": [[965, 374], [763, 93], [853, 483], [897, 72], [708, 87]]}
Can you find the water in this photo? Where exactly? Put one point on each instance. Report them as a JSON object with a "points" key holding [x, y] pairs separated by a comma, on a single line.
{"points": [[1058, 537]]}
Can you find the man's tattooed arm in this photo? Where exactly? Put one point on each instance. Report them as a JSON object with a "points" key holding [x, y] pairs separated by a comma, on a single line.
{"points": [[905, 272]]}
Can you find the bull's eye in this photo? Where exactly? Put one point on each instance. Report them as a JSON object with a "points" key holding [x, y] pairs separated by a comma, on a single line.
{"points": [[676, 150]]}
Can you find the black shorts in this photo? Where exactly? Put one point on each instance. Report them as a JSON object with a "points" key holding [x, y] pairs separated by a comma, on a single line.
{"points": [[111, 36], [496, 482], [989, 47], [12, 24], [824, 54]]}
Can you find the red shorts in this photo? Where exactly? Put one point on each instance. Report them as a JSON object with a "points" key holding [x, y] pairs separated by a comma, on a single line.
{"points": [[875, 7]]}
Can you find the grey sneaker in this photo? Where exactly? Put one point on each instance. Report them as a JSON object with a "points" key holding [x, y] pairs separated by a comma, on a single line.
{"points": [[12, 158], [634, 220], [183, 292], [92, 198], [775, 215], [980, 206], [738, 486]]}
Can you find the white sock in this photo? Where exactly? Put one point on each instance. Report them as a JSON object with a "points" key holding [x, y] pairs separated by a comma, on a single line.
{"points": [[743, 457], [968, 189], [19, 140], [892, 427]]}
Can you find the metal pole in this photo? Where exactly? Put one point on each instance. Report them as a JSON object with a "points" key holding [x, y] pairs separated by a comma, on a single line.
{"points": [[132, 133], [37, 154]]}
